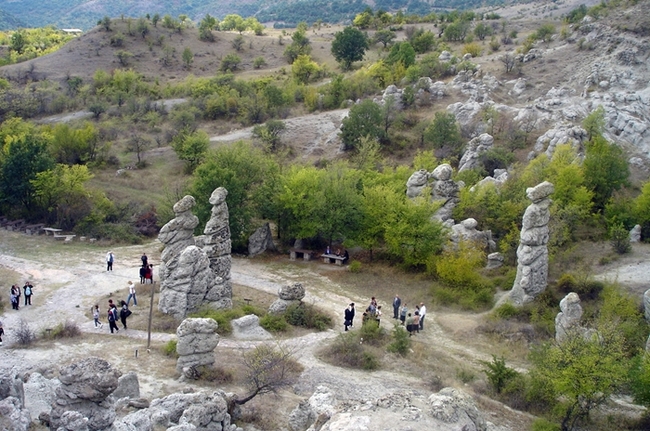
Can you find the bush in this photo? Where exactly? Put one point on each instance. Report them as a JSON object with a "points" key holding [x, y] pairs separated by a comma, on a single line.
{"points": [[401, 341], [214, 374], [506, 311], [472, 48], [169, 349], [355, 266], [620, 239], [259, 62], [541, 424], [25, 336], [307, 316], [371, 332], [348, 351], [274, 323], [69, 329], [498, 373]]}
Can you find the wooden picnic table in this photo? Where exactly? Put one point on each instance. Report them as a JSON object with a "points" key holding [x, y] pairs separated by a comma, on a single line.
{"points": [[295, 253], [33, 228], [16, 224], [65, 238], [332, 258]]}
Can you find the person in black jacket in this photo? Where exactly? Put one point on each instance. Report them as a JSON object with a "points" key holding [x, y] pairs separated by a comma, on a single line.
{"points": [[349, 316]]}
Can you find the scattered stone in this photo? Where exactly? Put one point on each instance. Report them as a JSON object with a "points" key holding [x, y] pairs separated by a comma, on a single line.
{"points": [[260, 241], [568, 320], [532, 253], [248, 328], [128, 386], [197, 339], [85, 389]]}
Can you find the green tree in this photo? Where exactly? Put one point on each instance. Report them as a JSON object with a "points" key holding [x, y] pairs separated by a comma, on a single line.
{"points": [[207, 24], [231, 22], [18, 42], [349, 46], [300, 44], [581, 373], [106, 23], [230, 63], [238, 43], [155, 19], [192, 148], [124, 57], [423, 41], [270, 133], [259, 62], [73, 146], [482, 31], [385, 37], [142, 27], [545, 32], [401, 52], [378, 207], [443, 132], [364, 19], [188, 57], [249, 175], [24, 154], [363, 120], [606, 170], [303, 68]]}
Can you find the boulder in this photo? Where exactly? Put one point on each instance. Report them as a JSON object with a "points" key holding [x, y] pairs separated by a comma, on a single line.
{"points": [[494, 260], [416, 183], [260, 241], [466, 231], [85, 388], [279, 306], [40, 393], [635, 233], [128, 386], [11, 385], [292, 292], [473, 151], [248, 328], [197, 339], [568, 320], [444, 56], [13, 416], [456, 409]]}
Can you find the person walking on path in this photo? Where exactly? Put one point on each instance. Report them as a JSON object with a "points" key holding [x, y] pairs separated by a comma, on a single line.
{"points": [[423, 313], [124, 313], [349, 316], [96, 316], [144, 259], [131, 295], [110, 258], [112, 318], [29, 291], [397, 302], [402, 314]]}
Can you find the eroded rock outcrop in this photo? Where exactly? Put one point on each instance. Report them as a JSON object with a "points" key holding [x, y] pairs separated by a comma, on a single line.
{"points": [[466, 231], [248, 328], [83, 397], [532, 253], [473, 151], [289, 294], [567, 321], [197, 339], [40, 393], [446, 191], [260, 241], [13, 414]]}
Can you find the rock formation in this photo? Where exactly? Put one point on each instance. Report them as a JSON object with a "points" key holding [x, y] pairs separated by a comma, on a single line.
{"points": [[194, 273], [646, 305], [128, 386], [416, 183], [40, 393], [635, 233], [567, 321], [13, 414], [494, 260], [466, 231], [473, 151], [83, 397], [445, 191], [248, 328], [260, 241], [532, 253], [290, 294], [197, 339]]}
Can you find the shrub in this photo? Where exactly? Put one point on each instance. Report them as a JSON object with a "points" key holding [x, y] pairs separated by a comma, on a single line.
{"points": [[348, 351], [355, 266], [541, 424], [506, 311], [401, 341], [169, 349], [214, 374], [274, 323], [498, 373], [457, 268], [472, 48], [259, 62], [25, 336], [308, 316], [371, 332], [69, 329], [620, 239], [230, 63]]}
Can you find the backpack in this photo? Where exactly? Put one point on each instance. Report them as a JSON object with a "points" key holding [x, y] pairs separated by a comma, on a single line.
{"points": [[28, 291], [111, 315]]}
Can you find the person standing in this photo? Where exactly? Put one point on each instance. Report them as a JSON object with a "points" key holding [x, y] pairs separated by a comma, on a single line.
{"points": [[378, 315], [402, 314], [349, 316], [2, 332], [124, 313], [29, 291], [409, 324], [397, 302], [110, 258], [15, 297], [144, 259], [112, 318], [96, 316], [423, 313], [131, 295]]}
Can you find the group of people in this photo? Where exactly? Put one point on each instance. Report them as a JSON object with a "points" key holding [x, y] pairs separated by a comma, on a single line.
{"points": [[338, 252], [15, 295], [146, 270], [113, 314], [371, 313], [414, 322]]}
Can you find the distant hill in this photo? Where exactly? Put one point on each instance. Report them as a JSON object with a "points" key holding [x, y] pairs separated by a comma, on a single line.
{"points": [[9, 22], [84, 14]]}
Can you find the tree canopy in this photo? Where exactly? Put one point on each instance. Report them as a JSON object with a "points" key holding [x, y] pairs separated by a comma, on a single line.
{"points": [[349, 46]]}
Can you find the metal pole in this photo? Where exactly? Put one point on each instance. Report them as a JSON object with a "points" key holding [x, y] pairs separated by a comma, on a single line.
{"points": [[153, 285]]}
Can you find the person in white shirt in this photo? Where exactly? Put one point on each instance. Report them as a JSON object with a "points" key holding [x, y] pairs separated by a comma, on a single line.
{"points": [[110, 257], [423, 312], [131, 295]]}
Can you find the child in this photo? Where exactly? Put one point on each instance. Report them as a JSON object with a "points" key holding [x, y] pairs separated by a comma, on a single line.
{"points": [[2, 332], [96, 316]]}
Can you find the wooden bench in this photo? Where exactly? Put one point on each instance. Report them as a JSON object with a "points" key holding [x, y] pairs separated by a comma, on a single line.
{"points": [[332, 258], [15, 225], [52, 230], [295, 253], [65, 238]]}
